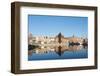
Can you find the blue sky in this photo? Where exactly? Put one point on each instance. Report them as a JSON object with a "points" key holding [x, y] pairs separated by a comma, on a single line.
{"points": [[51, 25]]}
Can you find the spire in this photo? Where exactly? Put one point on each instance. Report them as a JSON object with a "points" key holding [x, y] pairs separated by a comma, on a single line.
{"points": [[73, 36], [60, 34], [30, 36], [30, 33]]}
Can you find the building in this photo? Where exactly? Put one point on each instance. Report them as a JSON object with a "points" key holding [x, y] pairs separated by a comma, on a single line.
{"points": [[57, 40], [75, 39], [41, 40]]}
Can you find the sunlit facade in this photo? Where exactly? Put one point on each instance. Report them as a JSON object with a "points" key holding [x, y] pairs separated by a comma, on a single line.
{"points": [[58, 39]]}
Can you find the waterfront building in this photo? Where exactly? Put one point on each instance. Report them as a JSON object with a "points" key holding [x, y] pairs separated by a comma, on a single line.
{"points": [[75, 39], [56, 40]]}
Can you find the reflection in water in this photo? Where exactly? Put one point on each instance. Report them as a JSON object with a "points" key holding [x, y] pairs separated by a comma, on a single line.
{"points": [[58, 52]]}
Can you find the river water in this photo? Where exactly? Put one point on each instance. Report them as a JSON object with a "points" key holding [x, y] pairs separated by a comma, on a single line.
{"points": [[58, 52]]}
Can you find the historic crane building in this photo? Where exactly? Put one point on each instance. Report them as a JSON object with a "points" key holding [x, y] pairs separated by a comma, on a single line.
{"points": [[57, 40]]}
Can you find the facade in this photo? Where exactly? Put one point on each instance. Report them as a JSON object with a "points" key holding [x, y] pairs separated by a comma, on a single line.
{"points": [[42, 40], [57, 40], [75, 39]]}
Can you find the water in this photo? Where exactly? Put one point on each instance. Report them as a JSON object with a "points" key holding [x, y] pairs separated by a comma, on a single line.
{"points": [[58, 52]]}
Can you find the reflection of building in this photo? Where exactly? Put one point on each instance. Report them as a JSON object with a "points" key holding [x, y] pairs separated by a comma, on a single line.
{"points": [[59, 39], [57, 49]]}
